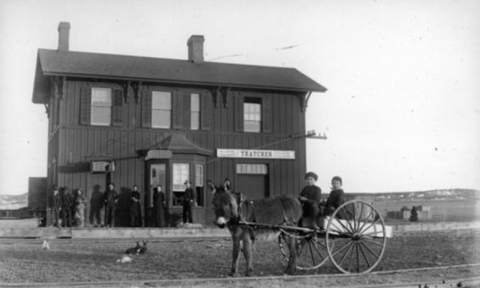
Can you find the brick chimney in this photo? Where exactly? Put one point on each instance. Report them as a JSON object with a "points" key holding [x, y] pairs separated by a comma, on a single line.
{"points": [[63, 36], [195, 48]]}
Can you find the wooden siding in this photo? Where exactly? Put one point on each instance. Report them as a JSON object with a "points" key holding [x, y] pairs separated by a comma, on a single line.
{"points": [[76, 142]]}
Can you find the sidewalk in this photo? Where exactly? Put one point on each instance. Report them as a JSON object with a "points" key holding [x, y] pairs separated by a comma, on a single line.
{"points": [[187, 233]]}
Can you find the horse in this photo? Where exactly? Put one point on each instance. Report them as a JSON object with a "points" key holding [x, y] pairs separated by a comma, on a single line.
{"points": [[231, 213]]}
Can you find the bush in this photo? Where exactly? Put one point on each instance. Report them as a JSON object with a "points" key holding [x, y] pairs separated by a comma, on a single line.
{"points": [[413, 214]]}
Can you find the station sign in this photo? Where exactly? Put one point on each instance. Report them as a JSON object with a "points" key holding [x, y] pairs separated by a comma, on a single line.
{"points": [[256, 154]]}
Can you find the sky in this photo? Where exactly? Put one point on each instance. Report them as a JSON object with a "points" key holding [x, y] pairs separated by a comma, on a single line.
{"points": [[402, 110]]}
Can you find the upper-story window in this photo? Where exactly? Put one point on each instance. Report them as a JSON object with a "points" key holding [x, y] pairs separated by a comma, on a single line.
{"points": [[101, 113], [101, 105], [194, 111], [252, 115], [161, 109]]}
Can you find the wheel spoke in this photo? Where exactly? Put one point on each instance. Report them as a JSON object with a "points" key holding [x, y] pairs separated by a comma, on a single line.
{"points": [[354, 218], [311, 252], [346, 253], [346, 230], [351, 259], [360, 218], [372, 242], [371, 225], [318, 250], [348, 220], [358, 257], [341, 248], [366, 220], [372, 233], [363, 253], [369, 250]]}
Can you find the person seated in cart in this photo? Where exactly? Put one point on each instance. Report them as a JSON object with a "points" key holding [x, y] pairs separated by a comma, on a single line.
{"points": [[310, 198], [335, 199]]}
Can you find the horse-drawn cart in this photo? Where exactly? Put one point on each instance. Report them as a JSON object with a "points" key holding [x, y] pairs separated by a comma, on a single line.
{"points": [[354, 239]]}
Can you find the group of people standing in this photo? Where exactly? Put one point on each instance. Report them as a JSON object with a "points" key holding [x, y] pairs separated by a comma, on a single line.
{"points": [[69, 209]]}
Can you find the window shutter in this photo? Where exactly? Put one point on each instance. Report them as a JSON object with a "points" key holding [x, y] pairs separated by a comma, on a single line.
{"points": [[85, 104], [206, 111], [177, 110], [267, 113], [117, 111], [146, 107], [187, 104], [238, 100]]}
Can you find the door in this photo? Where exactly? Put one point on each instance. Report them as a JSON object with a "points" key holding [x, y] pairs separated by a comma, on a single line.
{"points": [[252, 186], [252, 180], [157, 176]]}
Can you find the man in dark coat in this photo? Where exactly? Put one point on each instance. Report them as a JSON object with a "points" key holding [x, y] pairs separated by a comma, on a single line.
{"points": [[188, 202], [310, 198], [56, 207], [110, 199], [96, 206], [135, 210], [67, 203], [160, 207]]}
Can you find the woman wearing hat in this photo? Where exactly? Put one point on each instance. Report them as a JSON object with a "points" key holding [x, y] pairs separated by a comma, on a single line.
{"points": [[310, 198]]}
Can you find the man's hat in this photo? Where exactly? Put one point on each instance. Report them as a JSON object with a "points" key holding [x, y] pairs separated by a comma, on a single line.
{"points": [[311, 174]]}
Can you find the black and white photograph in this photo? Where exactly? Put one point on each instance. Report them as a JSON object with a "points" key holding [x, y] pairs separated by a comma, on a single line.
{"points": [[161, 143]]}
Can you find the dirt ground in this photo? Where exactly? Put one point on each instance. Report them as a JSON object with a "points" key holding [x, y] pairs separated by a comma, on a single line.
{"points": [[82, 261]]}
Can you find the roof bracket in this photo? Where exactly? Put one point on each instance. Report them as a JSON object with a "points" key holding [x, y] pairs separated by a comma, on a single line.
{"points": [[47, 108], [125, 87], [215, 93], [304, 100], [60, 87], [137, 87], [225, 91]]}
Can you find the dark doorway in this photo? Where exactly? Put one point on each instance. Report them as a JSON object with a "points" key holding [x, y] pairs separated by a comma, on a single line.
{"points": [[253, 186]]}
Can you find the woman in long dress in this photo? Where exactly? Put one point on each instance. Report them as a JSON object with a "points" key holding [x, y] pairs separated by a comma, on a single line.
{"points": [[80, 209], [160, 206]]}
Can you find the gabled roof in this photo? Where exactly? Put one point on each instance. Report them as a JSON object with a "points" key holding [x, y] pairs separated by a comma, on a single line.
{"points": [[168, 71], [177, 143]]}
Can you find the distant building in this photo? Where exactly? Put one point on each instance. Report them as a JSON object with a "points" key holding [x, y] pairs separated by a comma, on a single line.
{"points": [[154, 121]]}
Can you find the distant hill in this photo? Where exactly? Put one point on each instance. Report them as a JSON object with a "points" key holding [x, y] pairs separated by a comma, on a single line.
{"points": [[437, 194], [13, 202]]}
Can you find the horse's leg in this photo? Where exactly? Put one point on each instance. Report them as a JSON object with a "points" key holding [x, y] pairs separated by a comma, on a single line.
{"points": [[235, 254], [292, 259], [247, 252]]}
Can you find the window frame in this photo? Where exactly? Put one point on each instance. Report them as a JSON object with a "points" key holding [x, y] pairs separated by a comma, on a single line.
{"points": [[93, 107], [177, 194], [253, 101], [161, 109], [195, 114]]}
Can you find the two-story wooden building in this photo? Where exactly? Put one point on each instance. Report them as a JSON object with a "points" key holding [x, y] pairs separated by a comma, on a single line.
{"points": [[148, 121]]}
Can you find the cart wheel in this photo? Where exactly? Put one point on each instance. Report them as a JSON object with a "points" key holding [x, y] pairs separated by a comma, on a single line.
{"points": [[311, 250], [360, 239]]}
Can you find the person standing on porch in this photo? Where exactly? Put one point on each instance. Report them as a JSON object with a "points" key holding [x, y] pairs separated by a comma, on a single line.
{"points": [[135, 210], [160, 206], [96, 206], [57, 207], [67, 201], [110, 198], [80, 209], [188, 202]]}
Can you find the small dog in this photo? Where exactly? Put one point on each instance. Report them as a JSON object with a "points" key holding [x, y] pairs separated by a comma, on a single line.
{"points": [[143, 250], [134, 250]]}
